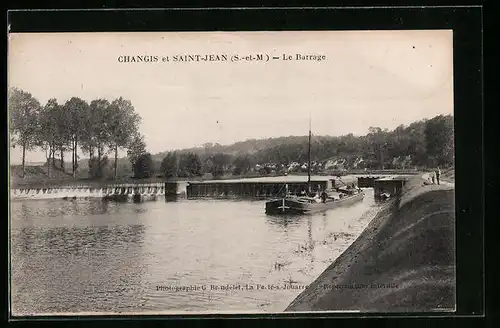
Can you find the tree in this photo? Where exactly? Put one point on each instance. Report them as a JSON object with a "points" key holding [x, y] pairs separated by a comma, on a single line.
{"points": [[416, 144], [103, 117], [190, 165], [136, 149], [90, 124], [219, 163], [97, 167], [242, 165], [97, 122], [143, 167], [24, 113], [265, 170], [48, 129], [439, 139], [169, 165], [63, 139], [123, 125], [378, 145], [76, 109]]}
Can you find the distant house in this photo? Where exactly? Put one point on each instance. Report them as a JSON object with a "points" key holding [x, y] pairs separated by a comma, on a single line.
{"points": [[337, 164], [271, 166], [293, 166], [359, 163], [341, 163], [329, 164], [401, 162]]}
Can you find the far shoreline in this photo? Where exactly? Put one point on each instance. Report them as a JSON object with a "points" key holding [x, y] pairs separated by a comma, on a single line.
{"points": [[38, 182]]}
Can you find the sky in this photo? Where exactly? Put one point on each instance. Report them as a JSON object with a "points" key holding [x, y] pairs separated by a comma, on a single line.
{"points": [[368, 78]]}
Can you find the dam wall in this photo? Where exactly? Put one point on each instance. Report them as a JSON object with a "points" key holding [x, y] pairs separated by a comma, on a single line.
{"points": [[404, 261], [116, 192], [262, 188]]}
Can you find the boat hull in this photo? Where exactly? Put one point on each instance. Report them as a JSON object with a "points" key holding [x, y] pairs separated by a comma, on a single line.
{"points": [[289, 206]]}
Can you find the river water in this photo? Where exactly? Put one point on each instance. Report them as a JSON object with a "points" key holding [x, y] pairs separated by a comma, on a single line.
{"points": [[170, 257]]}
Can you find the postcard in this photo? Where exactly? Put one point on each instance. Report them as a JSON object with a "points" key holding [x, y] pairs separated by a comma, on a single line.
{"points": [[231, 172]]}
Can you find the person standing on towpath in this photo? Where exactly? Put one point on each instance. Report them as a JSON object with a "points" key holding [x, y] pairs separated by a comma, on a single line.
{"points": [[438, 173]]}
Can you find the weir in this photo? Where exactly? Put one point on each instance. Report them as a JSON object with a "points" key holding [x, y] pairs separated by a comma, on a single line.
{"points": [[114, 192]]}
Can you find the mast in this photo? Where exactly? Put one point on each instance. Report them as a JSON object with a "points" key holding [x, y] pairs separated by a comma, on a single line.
{"points": [[309, 157]]}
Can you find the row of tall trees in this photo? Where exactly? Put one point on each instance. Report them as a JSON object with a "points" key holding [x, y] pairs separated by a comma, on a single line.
{"points": [[101, 127], [97, 128]]}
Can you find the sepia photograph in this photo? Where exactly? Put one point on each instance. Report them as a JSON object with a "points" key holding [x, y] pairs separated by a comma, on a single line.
{"points": [[174, 173]]}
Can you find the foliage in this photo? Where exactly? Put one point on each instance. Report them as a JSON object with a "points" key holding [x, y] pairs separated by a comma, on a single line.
{"points": [[144, 167], [265, 170], [98, 167], [123, 125], [48, 129], [136, 149], [242, 164], [96, 128], [169, 165], [101, 128], [439, 140], [190, 165], [24, 112], [218, 164], [75, 115], [101, 118], [403, 147]]}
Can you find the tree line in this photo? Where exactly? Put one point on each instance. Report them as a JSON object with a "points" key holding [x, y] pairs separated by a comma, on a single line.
{"points": [[428, 143], [97, 128], [425, 143], [101, 127]]}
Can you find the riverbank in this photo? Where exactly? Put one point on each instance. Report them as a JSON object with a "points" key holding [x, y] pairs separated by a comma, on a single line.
{"points": [[68, 181], [404, 261], [36, 177], [448, 175]]}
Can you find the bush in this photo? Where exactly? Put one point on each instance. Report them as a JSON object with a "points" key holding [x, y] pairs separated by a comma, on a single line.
{"points": [[169, 166], [189, 166], [144, 167]]}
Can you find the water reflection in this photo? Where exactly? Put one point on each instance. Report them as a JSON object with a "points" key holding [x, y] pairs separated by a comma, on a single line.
{"points": [[91, 255], [172, 198], [310, 239], [76, 269], [76, 240], [285, 220]]}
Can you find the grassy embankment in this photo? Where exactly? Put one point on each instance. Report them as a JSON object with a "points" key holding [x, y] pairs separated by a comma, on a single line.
{"points": [[404, 261], [448, 175], [37, 177]]}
